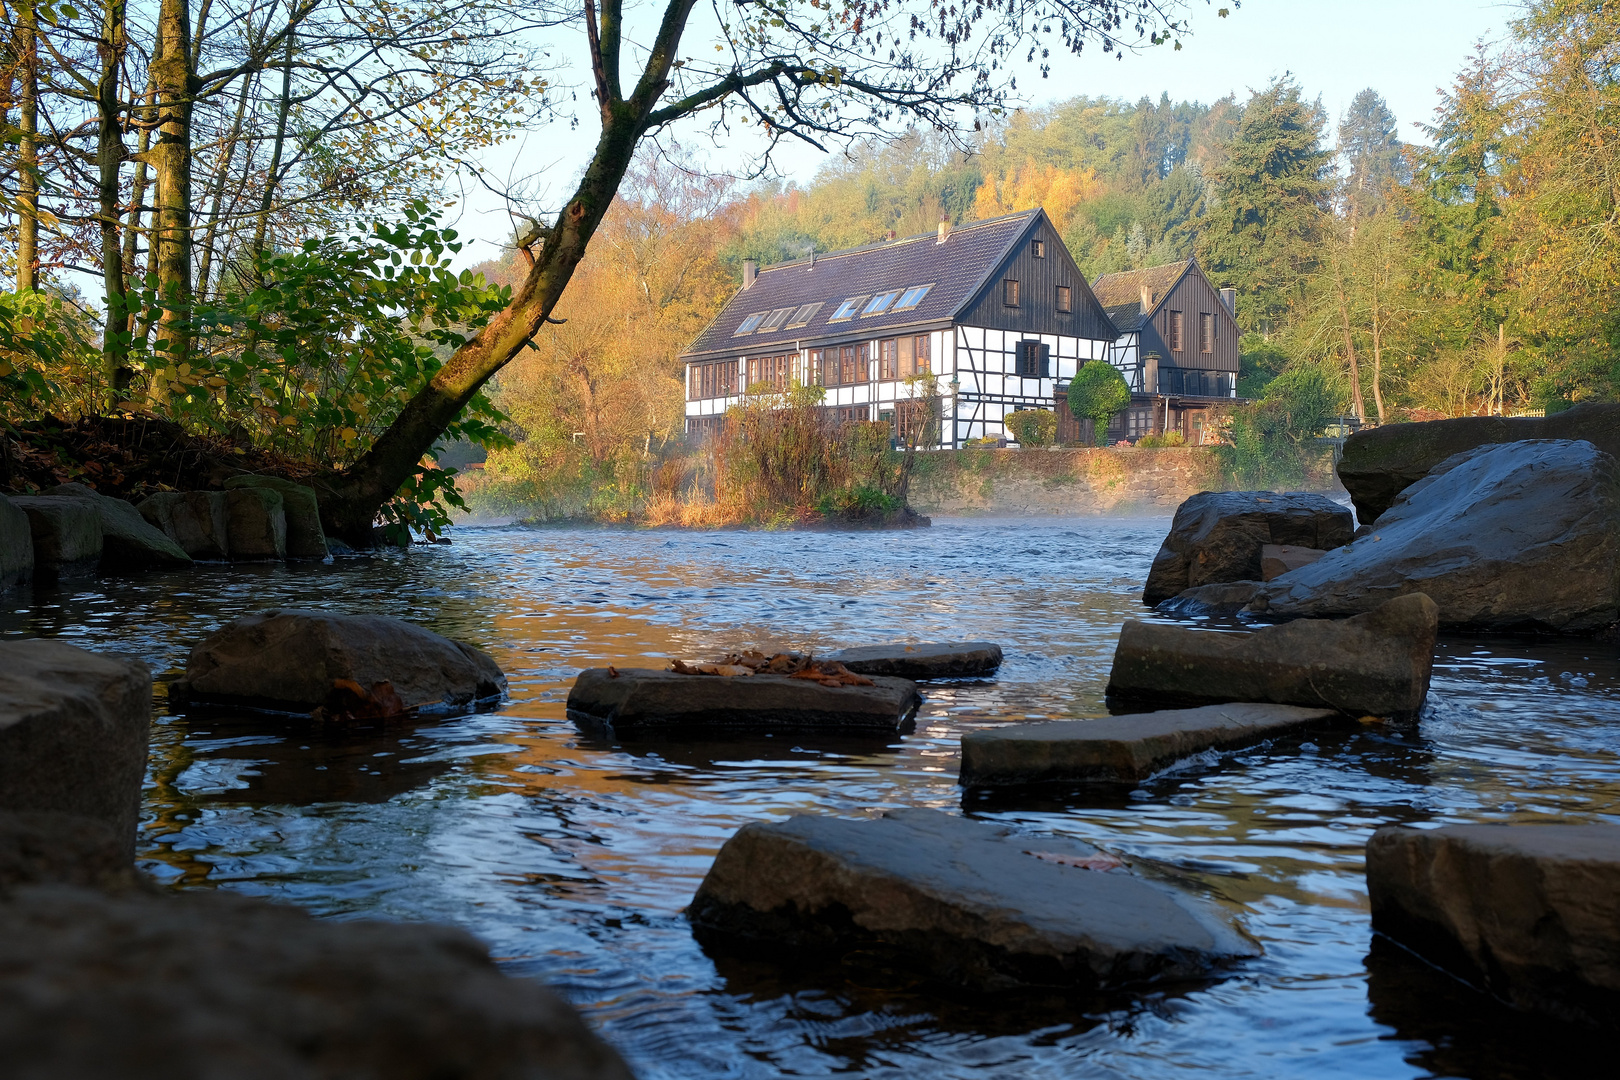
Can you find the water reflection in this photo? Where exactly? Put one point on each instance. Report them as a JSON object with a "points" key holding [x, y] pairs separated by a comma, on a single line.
{"points": [[573, 855]]}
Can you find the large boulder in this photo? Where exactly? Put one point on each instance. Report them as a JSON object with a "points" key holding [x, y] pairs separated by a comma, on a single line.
{"points": [[1217, 536], [73, 733], [208, 985], [195, 520], [255, 525], [1530, 913], [965, 903], [66, 534], [16, 546], [128, 540], [1122, 749], [1379, 463], [38, 848], [1375, 664], [1522, 535], [645, 701], [295, 659], [305, 537]]}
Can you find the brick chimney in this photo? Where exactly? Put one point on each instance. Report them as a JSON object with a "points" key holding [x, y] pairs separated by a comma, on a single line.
{"points": [[750, 272], [1229, 298], [944, 230], [1148, 298]]}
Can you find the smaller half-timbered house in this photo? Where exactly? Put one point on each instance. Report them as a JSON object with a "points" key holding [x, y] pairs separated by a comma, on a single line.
{"points": [[996, 310], [1177, 346]]}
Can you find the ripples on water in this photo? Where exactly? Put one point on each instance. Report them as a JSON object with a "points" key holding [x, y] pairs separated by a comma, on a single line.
{"points": [[573, 857]]}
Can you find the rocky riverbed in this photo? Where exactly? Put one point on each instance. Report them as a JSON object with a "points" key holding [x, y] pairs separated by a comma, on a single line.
{"points": [[574, 856]]}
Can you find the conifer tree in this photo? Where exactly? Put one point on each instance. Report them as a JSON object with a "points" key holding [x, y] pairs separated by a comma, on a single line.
{"points": [[1371, 147], [1274, 189]]}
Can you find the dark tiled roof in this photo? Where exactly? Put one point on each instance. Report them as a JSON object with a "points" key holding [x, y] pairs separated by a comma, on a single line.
{"points": [[956, 269], [1121, 294]]}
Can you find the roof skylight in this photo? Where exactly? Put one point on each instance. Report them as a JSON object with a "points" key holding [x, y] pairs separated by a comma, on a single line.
{"points": [[912, 297], [803, 316], [750, 324], [880, 303], [776, 319], [847, 309]]}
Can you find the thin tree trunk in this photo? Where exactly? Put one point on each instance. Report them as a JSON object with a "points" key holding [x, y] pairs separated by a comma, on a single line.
{"points": [[1378, 357], [1356, 401], [137, 191], [271, 179], [217, 195], [171, 163], [110, 151], [28, 164]]}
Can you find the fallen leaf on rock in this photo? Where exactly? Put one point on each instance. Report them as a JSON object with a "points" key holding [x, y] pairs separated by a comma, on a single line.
{"points": [[725, 670], [348, 700], [1099, 861]]}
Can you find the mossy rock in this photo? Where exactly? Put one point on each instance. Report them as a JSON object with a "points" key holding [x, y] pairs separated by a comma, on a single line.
{"points": [[305, 537]]}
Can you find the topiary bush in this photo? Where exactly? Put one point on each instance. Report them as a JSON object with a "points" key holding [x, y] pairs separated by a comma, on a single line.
{"points": [[1097, 392]]}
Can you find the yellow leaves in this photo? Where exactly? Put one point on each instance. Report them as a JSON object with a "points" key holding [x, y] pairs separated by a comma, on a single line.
{"points": [[1060, 191], [6, 368]]}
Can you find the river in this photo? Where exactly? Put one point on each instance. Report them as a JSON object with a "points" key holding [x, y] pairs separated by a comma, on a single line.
{"points": [[573, 857]]}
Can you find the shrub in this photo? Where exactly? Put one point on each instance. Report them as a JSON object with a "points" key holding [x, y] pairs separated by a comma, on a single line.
{"points": [[1097, 392], [1033, 427], [1156, 442]]}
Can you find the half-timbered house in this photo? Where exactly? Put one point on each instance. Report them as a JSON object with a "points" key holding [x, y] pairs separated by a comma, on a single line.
{"points": [[996, 310], [1177, 346]]}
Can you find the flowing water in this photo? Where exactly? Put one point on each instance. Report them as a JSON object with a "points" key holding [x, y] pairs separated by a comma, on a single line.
{"points": [[573, 857]]}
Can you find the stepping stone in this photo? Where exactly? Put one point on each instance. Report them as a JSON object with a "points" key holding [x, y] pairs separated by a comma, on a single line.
{"points": [[966, 903], [925, 661], [1375, 664], [1122, 749], [65, 533], [646, 701], [299, 660], [1529, 913]]}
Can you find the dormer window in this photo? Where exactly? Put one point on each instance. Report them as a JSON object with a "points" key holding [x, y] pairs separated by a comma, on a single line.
{"points": [[912, 297], [750, 324], [803, 316], [775, 319], [847, 309], [880, 303]]}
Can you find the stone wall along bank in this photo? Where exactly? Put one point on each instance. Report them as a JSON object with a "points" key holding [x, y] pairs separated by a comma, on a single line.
{"points": [[1082, 482]]}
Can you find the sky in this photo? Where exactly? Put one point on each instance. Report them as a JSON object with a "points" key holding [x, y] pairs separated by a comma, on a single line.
{"points": [[1407, 50]]}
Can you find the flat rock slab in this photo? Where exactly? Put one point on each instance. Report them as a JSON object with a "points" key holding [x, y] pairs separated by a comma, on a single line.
{"points": [[647, 701], [1517, 536], [1376, 664], [1122, 749], [292, 659], [943, 660], [210, 985], [73, 733], [969, 904], [1218, 536], [1530, 913]]}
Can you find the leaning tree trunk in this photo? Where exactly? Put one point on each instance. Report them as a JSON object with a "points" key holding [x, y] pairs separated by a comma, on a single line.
{"points": [[352, 499]]}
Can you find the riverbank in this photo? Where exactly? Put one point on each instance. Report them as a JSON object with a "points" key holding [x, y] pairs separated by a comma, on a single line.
{"points": [[1093, 481]]}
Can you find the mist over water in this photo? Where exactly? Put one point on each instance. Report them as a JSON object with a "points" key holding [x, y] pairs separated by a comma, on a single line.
{"points": [[573, 856]]}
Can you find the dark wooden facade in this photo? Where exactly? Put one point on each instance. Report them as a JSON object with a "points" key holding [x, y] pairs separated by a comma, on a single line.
{"points": [[1039, 277], [1194, 300]]}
